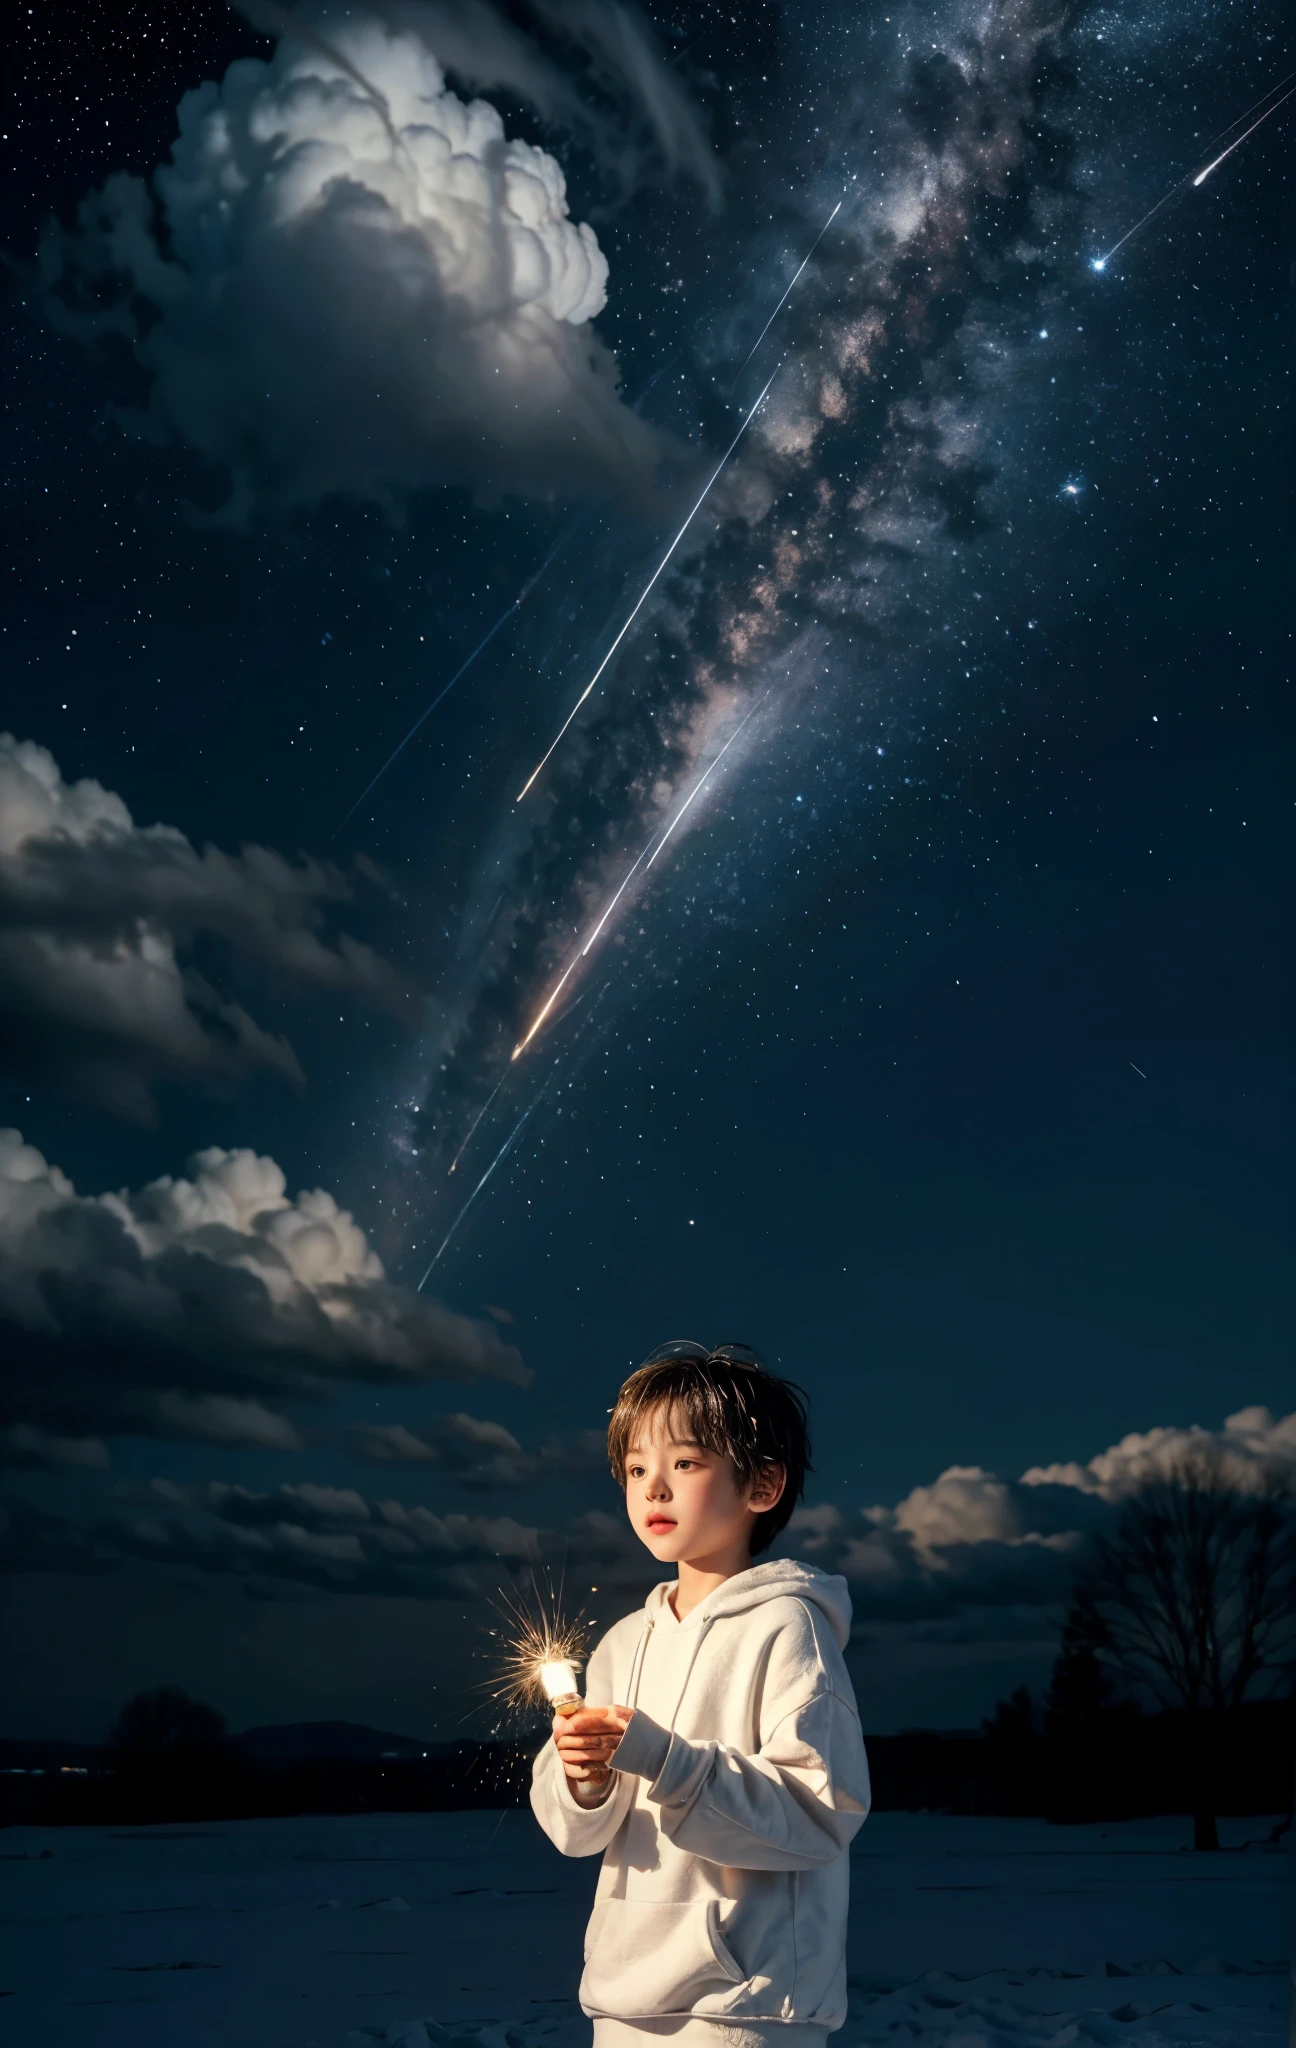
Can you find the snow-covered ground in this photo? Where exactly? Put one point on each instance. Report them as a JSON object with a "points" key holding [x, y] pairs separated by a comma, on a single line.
{"points": [[451, 1929]]}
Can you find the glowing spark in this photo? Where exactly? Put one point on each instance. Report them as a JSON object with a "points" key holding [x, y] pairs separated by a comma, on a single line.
{"points": [[504, 1149], [540, 765], [787, 294], [540, 1652], [1202, 176], [649, 853]]}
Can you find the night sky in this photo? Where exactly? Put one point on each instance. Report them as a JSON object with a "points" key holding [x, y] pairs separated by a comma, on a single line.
{"points": [[943, 1052]]}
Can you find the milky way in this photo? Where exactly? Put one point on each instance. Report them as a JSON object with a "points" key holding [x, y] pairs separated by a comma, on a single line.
{"points": [[858, 494]]}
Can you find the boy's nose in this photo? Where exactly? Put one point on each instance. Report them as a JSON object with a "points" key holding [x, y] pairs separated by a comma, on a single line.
{"points": [[658, 1489]]}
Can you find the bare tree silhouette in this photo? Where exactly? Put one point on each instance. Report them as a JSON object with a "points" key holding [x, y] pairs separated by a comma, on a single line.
{"points": [[1191, 1598]]}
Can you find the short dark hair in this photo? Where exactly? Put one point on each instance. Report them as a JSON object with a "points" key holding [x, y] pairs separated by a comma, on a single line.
{"points": [[734, 1407]]}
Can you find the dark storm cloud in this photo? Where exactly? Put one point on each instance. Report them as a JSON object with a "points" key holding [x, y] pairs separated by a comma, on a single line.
{"points": [[327, 1538], [190, 1308], [95, 911], [479, 1454], [866, 472], [25, 1447], [347, 280]]}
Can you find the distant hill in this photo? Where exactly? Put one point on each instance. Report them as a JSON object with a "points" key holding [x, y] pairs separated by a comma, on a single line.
{"points": [[311, 1741], [41, 1754]]}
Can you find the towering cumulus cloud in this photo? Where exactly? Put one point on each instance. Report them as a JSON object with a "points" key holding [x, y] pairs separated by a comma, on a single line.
{"points": [[347, 280]]}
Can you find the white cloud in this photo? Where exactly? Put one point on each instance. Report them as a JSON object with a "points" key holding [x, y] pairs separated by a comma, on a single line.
{"points": [[970, 1539], [351, 281], [1250, 1446], [180, 1309], [95, 911]]}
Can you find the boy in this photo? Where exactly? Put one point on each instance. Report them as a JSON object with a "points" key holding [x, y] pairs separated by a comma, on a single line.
{"points": [[737, 1775]]}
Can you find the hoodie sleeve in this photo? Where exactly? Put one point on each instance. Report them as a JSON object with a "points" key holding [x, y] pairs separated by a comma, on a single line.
{"points": [[574, 1829], [798, 1800]]}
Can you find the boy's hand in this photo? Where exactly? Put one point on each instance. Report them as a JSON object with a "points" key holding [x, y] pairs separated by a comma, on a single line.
{"points": [[585, 1742]]}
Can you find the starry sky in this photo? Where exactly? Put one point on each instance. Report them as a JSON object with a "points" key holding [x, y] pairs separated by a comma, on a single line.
{"points": [[938, 1043]]}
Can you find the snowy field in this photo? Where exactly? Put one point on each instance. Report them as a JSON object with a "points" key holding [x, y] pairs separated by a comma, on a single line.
{"points": [[466, 1929]]}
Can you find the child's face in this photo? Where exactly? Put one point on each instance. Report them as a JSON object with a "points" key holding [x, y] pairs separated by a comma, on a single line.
{"points": [[685, 1503]]}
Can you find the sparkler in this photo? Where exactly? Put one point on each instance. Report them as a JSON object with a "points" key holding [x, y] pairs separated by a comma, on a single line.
{"points": [[649, 853], [643, 595], [540, 1654]]}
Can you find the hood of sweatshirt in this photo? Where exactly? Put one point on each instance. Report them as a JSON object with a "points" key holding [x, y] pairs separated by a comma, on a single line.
{"points": [[778, 1580]]}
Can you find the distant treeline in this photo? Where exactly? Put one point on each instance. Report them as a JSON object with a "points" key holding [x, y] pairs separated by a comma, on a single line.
{"points": [[1118, 1765], [96, 1788]]}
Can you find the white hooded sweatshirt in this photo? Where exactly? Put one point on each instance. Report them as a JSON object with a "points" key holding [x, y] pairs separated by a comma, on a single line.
{"points": [[735, 1792]]}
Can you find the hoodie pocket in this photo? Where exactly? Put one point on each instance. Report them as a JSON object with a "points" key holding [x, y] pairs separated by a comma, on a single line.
{"points": [[648, 1957]]}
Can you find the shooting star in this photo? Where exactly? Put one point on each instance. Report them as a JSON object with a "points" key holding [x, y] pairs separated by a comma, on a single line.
{"points": [[473, 1126], [788, 293], [1099, 263], [1202, 176], [643, 596], [649, 854], [502, 621], [504, 1150], [1139, 1071], [462, 670]]}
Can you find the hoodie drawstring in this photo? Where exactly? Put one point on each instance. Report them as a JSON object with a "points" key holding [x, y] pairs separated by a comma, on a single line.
{"points": [[688, 1672], [636, 1668]]}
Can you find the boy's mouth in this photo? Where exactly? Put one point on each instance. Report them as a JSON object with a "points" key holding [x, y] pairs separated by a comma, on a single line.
{"points": [[659, 1524]]}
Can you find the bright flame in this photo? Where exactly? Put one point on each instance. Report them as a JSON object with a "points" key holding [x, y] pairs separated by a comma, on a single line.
{"points": [[558, 1678]]}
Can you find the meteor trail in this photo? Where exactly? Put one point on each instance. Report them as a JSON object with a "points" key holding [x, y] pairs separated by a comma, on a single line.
{"points": [[1202, 176], [651, 849], [1100, 263], [503, 1150], [501, 621], [473, 1126], [783, 301], [647, 587], [462, 670]]}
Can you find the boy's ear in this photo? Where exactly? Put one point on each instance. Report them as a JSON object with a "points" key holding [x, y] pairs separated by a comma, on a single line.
{"points": [[767, 1488]]}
